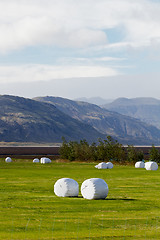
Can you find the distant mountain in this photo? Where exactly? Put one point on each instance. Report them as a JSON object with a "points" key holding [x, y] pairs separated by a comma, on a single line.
{"points": [[26, 120], [145, 109], [95, 100], [126, 129]]}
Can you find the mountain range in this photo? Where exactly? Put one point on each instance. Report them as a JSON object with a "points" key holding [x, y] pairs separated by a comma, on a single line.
{"points": [[125, 129], [145, 109], [26, 120], [48, 119]]}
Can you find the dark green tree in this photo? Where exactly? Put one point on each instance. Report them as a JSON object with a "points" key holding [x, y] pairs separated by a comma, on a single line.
{"points": [[106, 150], [154, 154], [110, 149], [131, 154], [140, 155], [64, 149]]}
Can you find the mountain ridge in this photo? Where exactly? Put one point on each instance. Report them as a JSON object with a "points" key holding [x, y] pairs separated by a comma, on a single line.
{"points": [[144, 109], [47, 119], [23, 119], [124, 128]]}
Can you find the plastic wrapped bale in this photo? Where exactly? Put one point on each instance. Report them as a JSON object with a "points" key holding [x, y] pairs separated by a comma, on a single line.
{"points": [[8, 159], [66, 187], [94, 188], [139, 164], [109, 165], [36, 160], [151, 166], [44, 160], [47, 160], [102, 165]]}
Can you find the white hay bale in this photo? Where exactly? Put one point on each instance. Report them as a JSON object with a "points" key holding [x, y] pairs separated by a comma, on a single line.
{"points": [[139, 164], [94, 188], [102, 165], [44, 160], [151, 166], [36, 160], [8, 159], [109, 165], [66, 187]]}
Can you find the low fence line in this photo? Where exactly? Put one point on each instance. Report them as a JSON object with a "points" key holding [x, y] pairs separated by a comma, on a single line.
{"points": [[29, 151], [50, 150]]}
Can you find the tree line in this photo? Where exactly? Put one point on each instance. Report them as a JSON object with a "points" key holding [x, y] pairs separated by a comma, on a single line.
{"points": [[105, 150]]}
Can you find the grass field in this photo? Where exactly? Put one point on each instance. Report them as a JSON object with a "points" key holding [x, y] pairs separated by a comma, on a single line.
{"points": [[30, 210]]}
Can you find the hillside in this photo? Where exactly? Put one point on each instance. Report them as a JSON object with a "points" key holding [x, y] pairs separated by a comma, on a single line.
{"points": [[145, 109], [126, 129], [26, 120]]}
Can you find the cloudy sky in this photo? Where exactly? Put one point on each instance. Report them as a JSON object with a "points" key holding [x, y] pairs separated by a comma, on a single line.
{"points": [[80, 48]]}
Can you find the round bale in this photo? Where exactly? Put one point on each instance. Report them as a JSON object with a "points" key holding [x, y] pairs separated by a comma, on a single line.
{"points": [[8, 160], [101, 165], [109, 165], [94, 188], [45, 160], [139, 164], [151, 166], [36, 160], [66, 187]]}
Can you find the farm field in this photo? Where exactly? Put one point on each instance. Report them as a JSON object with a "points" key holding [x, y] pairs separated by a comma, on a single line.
{"points": [[30, 210]]}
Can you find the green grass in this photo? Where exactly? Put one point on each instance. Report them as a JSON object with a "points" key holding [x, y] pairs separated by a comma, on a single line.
{"points": [[30, 210]]}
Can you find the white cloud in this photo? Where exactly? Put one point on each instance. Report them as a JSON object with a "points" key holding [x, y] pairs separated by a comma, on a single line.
{"points": [[106, 59], [75, 61], [37, 72], [75, 23]]}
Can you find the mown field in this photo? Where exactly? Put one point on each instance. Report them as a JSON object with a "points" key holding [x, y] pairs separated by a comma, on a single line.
{"points": [[30, 210]]}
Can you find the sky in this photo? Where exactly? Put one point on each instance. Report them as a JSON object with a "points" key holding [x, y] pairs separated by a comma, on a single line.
{"points": [[80, 48]]}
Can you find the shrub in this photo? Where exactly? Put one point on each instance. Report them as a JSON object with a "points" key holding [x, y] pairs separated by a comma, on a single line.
{"points": [[110, 149], [133, 155], [154, 154], [105, 150]]}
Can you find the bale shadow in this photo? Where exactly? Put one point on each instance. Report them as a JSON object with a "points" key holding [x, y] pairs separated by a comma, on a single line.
{"points": [[111, 199], [120, 199]]}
